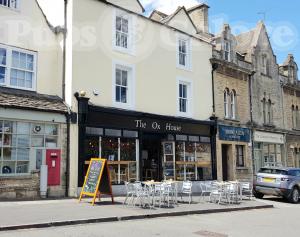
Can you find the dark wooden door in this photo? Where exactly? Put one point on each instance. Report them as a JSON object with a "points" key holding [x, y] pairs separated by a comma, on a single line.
{"points": [[225, 162]]}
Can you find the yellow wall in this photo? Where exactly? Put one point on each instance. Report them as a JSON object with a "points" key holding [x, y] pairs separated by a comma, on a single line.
{"points": [[26, 28]]}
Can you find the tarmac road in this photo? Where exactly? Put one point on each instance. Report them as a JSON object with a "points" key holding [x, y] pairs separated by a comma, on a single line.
{"points": [[283, 220]]}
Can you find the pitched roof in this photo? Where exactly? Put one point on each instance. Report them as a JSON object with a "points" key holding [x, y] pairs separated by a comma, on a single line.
{"points": [[201, 5], [14, 98], [244, 41], [170, 17], [159, 13]]}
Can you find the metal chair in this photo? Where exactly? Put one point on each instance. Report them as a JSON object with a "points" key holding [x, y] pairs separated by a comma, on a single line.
{"points": [[187, 189]]}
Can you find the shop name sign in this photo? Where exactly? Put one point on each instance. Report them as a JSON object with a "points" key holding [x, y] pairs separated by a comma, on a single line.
{"points": [[268, 137], [229, 133], [157, 126]]}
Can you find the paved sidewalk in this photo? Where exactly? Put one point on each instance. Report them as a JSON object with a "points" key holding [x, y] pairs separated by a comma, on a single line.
{"points": [[39, 214]]}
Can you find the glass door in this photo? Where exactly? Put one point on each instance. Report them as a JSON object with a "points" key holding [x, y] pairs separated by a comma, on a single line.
{"points": [[168, 160]]}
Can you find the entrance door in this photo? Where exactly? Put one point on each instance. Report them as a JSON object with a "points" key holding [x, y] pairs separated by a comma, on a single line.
{"points": [[225, 162], [151, 158]]}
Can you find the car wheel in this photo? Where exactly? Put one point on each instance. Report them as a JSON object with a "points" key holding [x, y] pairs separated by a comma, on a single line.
{"points": [[294, 197], [258, 195]]}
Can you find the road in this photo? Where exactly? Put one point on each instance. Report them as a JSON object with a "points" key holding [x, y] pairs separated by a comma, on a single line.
{"points": [[281, 221]]}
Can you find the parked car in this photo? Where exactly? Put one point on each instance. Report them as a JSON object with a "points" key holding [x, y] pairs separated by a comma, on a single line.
{"points": [[277, 181]]}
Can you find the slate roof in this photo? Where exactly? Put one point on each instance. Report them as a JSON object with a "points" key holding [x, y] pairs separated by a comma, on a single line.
{"points": [[19, 99], [244, 41]]}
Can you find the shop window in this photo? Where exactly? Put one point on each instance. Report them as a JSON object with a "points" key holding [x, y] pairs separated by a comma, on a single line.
{"points": [[112, 132], [94, 131], [18, 139], [121, 156], [240, 156], [192, 161], [133, 134]]}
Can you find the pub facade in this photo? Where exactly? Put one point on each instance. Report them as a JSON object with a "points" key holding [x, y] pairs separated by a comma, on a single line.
{"points": [[143, 93]]}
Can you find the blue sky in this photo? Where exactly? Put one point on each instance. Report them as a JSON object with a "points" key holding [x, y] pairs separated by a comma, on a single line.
{"points": [[282, 19]]}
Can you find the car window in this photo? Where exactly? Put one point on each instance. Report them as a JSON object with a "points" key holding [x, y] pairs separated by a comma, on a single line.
{"points": [[294, 173], [272, 171]]}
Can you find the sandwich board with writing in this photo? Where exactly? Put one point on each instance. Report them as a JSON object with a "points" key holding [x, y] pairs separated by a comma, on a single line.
{"points": [[97, 180]]}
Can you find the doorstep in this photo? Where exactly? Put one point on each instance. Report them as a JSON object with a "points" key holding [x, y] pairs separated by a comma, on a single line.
{"points": [[51, 213]]}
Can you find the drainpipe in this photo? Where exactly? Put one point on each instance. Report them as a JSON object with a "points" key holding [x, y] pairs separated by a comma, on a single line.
{"points": [[64, 51], [251, 119], [67, 174], [214, 128]]}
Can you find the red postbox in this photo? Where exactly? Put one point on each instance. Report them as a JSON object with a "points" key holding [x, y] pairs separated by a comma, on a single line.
{"points": [[53, 158]]}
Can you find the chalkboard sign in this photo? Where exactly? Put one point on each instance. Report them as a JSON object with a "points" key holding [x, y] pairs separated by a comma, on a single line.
{"points": [[97, 180]]}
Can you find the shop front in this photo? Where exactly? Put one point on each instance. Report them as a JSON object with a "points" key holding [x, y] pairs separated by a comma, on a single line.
{"points": [[268, 149], [234, 153], [140, 146]]}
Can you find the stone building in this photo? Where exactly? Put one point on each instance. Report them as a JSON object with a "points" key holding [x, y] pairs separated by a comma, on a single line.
{"points": [[232, 108], [266, 98], [291, 103], [33, 130]]}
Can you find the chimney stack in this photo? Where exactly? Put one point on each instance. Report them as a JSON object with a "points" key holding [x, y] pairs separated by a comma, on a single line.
{"points": [[199, 15]]}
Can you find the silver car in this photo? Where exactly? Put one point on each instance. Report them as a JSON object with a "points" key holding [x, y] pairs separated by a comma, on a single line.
{"points": [[277, 181]]}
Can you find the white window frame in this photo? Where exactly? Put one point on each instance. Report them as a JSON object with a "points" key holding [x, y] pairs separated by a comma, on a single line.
{"points": [[9, 50], [233, 104], [131, 32], [226, 103], [130, 104], [10, 4], [227, 51], [189, 84], [188, 41]]}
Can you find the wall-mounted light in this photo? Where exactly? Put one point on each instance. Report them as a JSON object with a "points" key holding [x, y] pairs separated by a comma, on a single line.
{"points": [[96, 92]]}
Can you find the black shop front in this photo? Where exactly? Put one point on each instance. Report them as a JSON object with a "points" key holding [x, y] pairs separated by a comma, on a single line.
{"points": [[142, 146]]}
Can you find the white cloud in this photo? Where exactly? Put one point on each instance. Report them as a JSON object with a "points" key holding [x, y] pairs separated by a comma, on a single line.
{"points": [[54, 11], [168, 6]]}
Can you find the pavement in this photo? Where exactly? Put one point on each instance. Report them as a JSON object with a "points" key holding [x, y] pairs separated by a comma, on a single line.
{"points": [[53, 213]]}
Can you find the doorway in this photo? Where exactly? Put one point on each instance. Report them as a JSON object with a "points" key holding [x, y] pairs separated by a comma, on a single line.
{"points": [[151, 157], [225, 159]]}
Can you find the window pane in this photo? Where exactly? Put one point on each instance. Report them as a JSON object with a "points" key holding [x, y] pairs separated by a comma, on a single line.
{"points": [[22, 167], [113, 132], [2, 74], [9, 127], [23, 154], [110, 148], [91, 147], [118, 76], [9, 153], [118, 93], [22, 61], [29, 62], [124, 78], [10, 140], [184, 91], [23, 141], [124, 25], [51, 129], [15, 59], [51, 142], [128, 149], [23, 128], [37, 141], [123, 94], [118, 23], [9, 167], [180, 90], [2, 56], [37, 129]]}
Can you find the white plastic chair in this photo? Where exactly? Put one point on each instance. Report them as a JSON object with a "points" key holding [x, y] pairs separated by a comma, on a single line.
{"points": [[246, 190], [205, 190], [187, 189]]}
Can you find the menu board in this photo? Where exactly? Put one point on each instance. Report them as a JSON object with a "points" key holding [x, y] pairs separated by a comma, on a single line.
{"points": [[97, 180], [91, 183]]}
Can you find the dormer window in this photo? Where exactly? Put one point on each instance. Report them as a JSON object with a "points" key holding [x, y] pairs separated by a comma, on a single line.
{"points": [[9, 3], [227, 50]]}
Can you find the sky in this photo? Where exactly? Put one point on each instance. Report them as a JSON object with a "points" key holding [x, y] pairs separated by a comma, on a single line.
{"points": [[281, 18]]}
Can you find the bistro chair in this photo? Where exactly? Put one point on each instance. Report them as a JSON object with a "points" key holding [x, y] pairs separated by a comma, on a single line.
{"points": [[187, 190], [205, 189], [246, 190], [130, 191]]}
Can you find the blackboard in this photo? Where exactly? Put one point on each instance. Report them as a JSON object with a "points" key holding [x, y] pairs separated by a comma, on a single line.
{"points": [[97, 180], [93, 175]]}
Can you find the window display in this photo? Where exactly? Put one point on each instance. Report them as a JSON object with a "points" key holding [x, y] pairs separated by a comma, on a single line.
{"points": [[17, 139]]}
